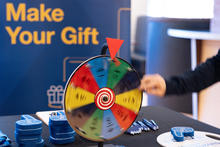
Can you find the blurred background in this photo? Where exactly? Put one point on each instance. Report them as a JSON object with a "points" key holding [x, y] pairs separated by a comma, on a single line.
{"points": [[167, 37], [192, 24]]}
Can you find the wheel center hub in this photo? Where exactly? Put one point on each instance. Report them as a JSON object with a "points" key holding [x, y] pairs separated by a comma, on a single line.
{"points": [[105, 98]]}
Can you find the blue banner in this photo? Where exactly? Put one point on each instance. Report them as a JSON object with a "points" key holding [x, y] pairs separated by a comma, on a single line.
{"points": [[42, 42]]}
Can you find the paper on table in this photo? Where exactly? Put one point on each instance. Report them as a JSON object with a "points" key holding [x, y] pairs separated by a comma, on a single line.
{"points": [[44, 115]]}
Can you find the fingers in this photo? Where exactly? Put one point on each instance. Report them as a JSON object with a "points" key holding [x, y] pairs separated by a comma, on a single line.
{"points": [[153, 84], [155, 91], [147, 82]]}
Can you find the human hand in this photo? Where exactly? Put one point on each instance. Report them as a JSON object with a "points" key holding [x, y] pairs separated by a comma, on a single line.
{"points": [[153, 84]]}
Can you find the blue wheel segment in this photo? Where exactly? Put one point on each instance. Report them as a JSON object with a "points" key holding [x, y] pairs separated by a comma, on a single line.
{"points": [[99, 68], [110, 127]]}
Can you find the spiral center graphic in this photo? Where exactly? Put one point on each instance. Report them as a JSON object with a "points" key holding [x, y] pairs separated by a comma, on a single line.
{"points": [[105, 98]]}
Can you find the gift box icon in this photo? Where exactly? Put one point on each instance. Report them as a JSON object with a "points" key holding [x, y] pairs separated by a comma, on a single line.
{"points": [[55, 96]]}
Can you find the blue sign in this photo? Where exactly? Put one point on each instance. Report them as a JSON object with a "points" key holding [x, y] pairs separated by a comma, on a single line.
{"points": [[42, 42]]}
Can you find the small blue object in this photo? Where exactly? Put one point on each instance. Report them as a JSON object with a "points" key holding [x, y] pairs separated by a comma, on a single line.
{"points": [[28, 122], [134, 129], [62, 134], [149, 124], [139, 126], [23, 139], [38, 144], [28, 125], [145, 128], [58, 118], [4, 140], [36, 131], [61, 140], [180, 132], [154, 123], [28, 131], [60, 130]]}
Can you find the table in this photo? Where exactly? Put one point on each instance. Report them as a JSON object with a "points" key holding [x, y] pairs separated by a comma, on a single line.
{"points": [[193, 36], [164, 117]]}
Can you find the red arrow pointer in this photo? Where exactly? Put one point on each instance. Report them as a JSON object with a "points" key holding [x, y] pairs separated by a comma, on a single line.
{"points": [[114, 45]]}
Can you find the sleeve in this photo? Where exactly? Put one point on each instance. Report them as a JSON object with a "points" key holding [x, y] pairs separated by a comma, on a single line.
{"points": [[193, 81]]}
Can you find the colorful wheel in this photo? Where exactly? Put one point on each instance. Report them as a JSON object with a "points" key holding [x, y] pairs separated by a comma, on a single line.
{"points": [[102, 99]]}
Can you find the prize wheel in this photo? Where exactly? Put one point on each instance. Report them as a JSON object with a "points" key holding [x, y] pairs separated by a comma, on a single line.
{"points": [[102, 98]]}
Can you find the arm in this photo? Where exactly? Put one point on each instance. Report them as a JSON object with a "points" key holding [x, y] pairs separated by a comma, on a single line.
{"points": [[193, 81]]}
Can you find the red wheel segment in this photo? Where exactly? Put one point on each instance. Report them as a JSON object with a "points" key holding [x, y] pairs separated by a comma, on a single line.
{"points": [[124, 116], [83, 78]]}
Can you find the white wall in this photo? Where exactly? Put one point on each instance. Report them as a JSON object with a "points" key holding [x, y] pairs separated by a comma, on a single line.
{"points": [[138, 8], [180, 8]]}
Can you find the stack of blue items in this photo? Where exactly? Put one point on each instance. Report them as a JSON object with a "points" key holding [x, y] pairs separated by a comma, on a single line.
{"points": [[4, 140], [28, 132], [60, 130], [144, 125]]}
